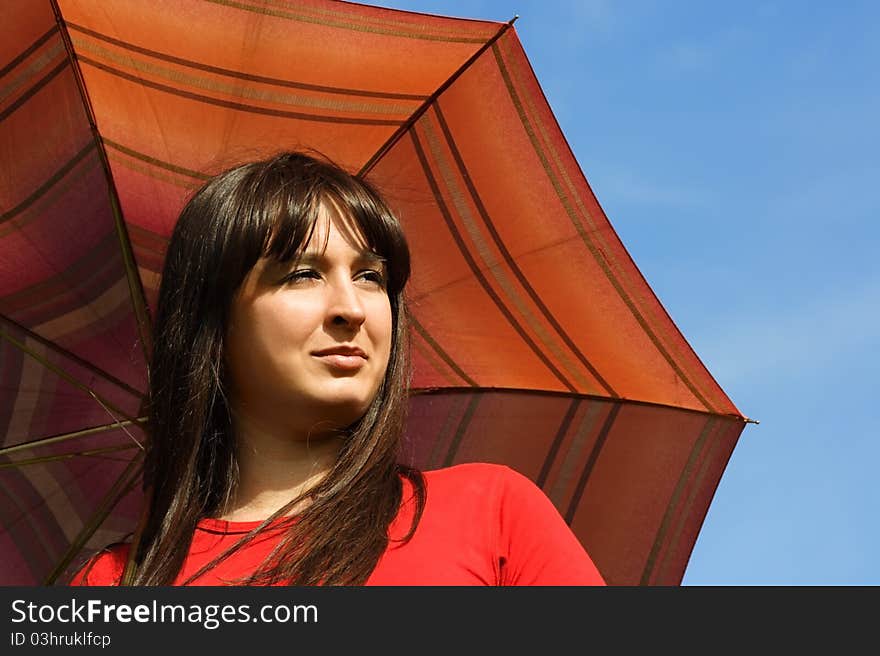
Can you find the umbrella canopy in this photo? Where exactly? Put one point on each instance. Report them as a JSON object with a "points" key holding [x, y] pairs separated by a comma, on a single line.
{"points": [[536, 341]]}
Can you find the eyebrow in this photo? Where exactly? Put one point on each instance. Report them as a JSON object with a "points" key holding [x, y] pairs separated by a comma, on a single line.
{"points": [[364, 256]]}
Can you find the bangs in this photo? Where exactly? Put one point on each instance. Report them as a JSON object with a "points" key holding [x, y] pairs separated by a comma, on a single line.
{"points": [[271, 209], [365, 217]]}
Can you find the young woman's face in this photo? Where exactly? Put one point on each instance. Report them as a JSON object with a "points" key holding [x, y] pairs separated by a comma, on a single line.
{"points": [[309, 341]]}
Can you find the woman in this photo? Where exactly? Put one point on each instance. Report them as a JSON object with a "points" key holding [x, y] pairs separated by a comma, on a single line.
{"points": [[278, 390]]}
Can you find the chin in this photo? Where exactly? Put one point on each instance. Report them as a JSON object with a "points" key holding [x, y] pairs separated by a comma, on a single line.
{"points": [[342, 412]]}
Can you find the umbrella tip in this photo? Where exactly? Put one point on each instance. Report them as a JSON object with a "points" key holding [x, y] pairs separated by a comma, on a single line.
{"points": [[513, 20]]}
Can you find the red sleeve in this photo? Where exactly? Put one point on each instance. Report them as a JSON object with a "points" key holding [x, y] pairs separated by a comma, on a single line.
{"points": [[537, 546], [104, 568]]}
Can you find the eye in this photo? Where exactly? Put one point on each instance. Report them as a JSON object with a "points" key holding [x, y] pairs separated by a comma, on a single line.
{"points": [[373, 276], [301, 274]]}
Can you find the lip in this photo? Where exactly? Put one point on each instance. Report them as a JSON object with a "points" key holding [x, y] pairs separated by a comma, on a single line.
{"points": [[342, 350], [344, 358]]}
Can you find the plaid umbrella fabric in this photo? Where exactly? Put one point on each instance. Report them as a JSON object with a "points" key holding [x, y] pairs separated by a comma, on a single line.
{"points": [[536, 341]]}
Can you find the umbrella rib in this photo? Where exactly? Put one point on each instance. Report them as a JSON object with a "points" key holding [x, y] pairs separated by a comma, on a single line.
{"points": [[425, 391], [62, 437], [416, 115], [71, 356], [66, 376], [135, 285], [121, 487], [65, 456], [596, 250], [116, 420]]}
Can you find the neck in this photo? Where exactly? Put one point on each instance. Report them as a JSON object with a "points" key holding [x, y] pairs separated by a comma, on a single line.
{"points": [[276, 465]]}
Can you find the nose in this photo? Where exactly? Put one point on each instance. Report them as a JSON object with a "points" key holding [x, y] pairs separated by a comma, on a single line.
{"points": [[345, 306]]}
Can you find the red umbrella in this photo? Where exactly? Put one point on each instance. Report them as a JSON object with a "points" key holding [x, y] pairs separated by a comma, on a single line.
{"points": [[537, 343]]}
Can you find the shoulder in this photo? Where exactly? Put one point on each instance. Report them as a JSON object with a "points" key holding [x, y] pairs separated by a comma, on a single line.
{"points": [[533, 542], [104, 568], [466, 493], [500, 482], [471, 474], [488, 490]]}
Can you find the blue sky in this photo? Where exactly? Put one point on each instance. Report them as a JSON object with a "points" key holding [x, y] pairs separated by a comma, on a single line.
{"points": [[733, 147]]}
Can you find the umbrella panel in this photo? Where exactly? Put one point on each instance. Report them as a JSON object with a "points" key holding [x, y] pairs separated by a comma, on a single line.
{"points": [[519, 280], [63, 501], [634, 493]]}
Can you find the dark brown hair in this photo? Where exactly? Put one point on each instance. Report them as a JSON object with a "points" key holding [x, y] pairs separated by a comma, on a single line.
{"points": [[265, 209]]}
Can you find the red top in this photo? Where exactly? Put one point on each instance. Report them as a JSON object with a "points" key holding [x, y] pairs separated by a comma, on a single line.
{"points": [[483, 524]]}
